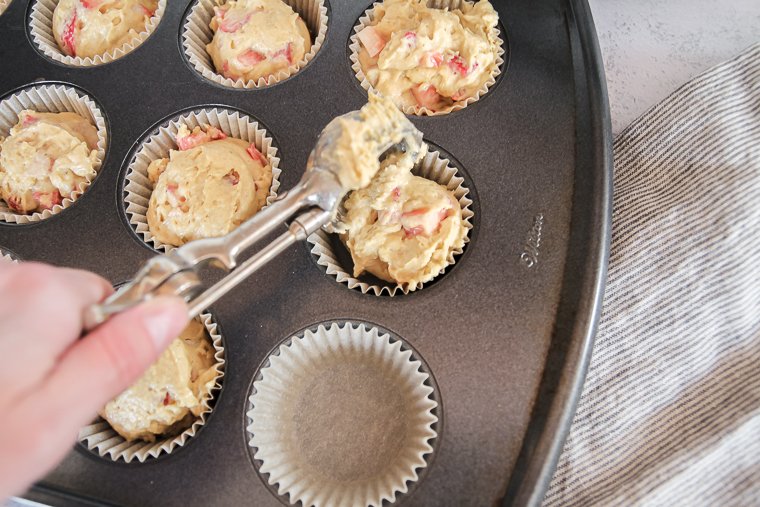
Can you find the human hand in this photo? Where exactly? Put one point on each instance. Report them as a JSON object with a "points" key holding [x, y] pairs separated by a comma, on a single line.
{"points": [[52, 382]]}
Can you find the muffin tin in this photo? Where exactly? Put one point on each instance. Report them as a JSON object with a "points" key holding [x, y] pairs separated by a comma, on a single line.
{"points": [[505, 333]]}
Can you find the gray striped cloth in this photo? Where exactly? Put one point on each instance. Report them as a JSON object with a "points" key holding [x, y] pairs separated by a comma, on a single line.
{"points": [[670, 412]]}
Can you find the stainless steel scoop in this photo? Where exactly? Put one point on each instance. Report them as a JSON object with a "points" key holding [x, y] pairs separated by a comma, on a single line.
{"points": [[317, 197]]}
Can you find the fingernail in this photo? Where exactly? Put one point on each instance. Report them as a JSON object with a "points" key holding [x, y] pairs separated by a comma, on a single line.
{"points": [[164, 318]]}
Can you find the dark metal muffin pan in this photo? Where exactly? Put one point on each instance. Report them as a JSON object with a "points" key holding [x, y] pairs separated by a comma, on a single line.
{"points": [[507, 333]]}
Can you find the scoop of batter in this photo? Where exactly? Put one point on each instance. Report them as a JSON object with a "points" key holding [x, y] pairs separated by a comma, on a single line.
{"points": [[206, 188], [171, 393], [87, 28], [402, 228], [426, 57], [45, 159], [355, 153], [256, 38]]}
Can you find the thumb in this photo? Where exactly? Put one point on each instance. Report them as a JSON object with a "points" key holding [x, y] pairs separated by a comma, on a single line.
{"points": [[113, 356]]}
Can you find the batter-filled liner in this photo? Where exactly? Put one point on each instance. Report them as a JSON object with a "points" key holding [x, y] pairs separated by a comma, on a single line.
{"points": [[330, 253], [137, 186], [354, 46], [41, 31], [51, 98], [101, 439], [196, 34]]}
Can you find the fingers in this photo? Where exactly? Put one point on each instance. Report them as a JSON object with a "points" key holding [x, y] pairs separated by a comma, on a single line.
{"points": [[111, 358], [44, 319]]}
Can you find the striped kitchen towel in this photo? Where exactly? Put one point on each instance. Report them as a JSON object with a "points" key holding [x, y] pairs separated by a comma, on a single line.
{"points": [[670, 412]]}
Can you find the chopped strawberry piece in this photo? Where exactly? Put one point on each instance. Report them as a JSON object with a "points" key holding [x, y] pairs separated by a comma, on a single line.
{"points": [[256, 154], [415, 212], [198, 137], [372, 40], [191, 141], [422, 221], [68, 36], [215, 134], [396, 194], [431, 59], [47, 200], [286, 52], [172, 187], [234, 22], [227, 73], [28, 119], [457, 65], [14, 203], [410, 38], [168, 399], [89, 4], [426, 96], [148, 12], [411, 232], [232, 177], [251, 58]]}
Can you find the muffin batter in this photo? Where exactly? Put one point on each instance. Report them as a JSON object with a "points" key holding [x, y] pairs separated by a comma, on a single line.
{"points": [[356, 152], [426, 57], [171, 393], [86, 28], [256, 38], [206, 188], [45, 159], [402, 228]]}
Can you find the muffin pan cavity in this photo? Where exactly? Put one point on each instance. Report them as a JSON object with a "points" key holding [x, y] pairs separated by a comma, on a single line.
{"points": [[342, 414], [195, 33], [333, 256], [102, 440], [52, 98], [160, 139]]}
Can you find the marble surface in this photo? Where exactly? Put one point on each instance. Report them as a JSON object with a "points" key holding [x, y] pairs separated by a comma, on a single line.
{"points": [[652, 47]]}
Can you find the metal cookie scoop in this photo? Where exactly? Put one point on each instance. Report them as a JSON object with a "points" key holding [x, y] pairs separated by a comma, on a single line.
{"points": [[317, 197]]}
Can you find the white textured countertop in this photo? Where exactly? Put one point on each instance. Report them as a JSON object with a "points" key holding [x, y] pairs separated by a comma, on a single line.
{"points": [[652, 47]]}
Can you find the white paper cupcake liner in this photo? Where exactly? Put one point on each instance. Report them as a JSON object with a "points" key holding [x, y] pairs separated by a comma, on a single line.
{"points": [[341, 416], [4, 5], [41, 31], [138, 188], [100, 438], [367, 19], [196, 34], [432, 167], [7, 255], [51, 98]]}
